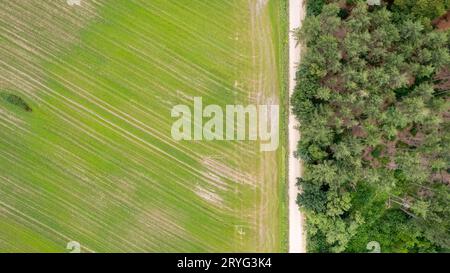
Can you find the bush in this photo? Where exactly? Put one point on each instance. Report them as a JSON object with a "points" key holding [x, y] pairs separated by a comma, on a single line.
{"points": [[16, 100], [313, 197], [314, 7]]}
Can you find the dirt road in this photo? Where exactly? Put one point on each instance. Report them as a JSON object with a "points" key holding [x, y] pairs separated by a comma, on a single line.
{"points": [[296, 232]]}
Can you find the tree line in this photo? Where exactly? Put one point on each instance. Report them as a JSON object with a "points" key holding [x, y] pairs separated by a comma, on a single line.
{"points": [[372, 101]]}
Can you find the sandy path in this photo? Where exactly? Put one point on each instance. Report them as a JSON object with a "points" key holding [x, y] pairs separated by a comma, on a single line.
{"points": [[296, 233]]}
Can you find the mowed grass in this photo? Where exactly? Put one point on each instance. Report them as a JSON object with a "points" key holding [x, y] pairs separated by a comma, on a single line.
{"points": [[94, 161]]}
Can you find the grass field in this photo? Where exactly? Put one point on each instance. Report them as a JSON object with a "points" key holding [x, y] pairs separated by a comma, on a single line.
{"points": [[94, 161]]}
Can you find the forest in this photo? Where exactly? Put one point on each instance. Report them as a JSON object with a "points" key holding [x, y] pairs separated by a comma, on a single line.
{"points": [[373, 106]]}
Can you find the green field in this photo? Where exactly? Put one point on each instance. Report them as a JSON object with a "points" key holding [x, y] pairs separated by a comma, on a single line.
{"points": [[94, 160]]}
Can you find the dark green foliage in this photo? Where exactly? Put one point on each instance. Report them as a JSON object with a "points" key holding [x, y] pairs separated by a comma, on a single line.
{"points": [[429, 9], [314, 7], [15, 100], [317, 243], [344, 13], [394, 232], [374, 129], [314, 197]]}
